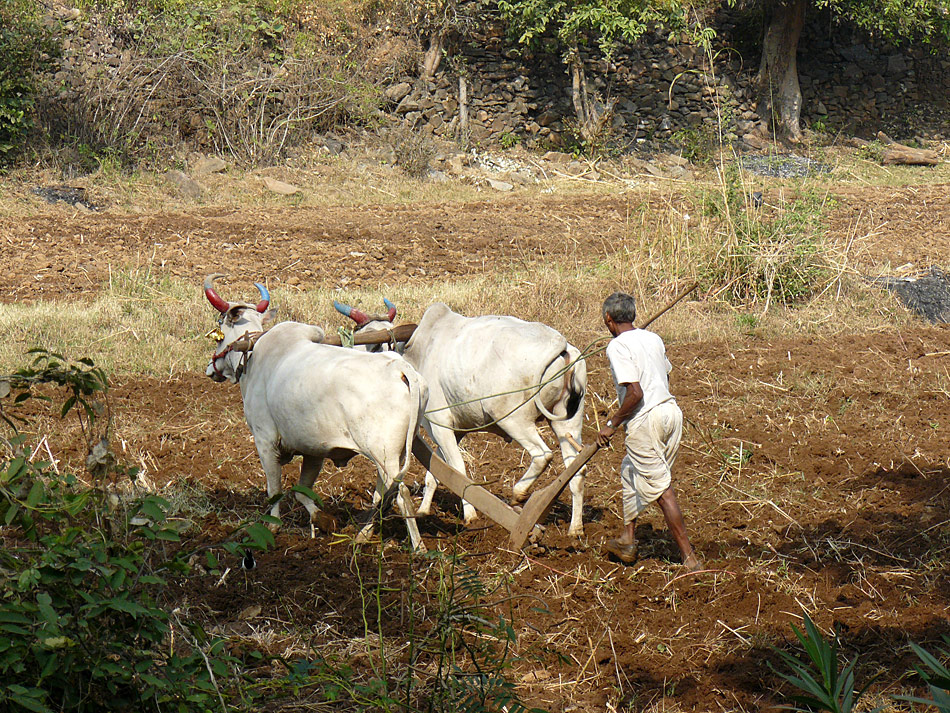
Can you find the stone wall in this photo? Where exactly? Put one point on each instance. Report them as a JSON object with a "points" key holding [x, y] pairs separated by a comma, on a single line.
{"points": [[659, 89]]}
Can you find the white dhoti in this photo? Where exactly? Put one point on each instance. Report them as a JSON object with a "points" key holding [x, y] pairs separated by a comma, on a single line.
{"points": [[652, 442]]}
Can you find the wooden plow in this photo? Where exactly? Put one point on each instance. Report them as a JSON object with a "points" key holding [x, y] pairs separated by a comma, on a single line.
{"points": [[518, 523]]}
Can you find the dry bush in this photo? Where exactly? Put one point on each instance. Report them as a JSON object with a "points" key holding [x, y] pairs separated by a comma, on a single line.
{"points": [[413, 150], [226, 85]]}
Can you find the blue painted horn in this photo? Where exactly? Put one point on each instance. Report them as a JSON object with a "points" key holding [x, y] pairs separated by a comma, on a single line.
{"points": [[356, 315], [391, 315], [265, 297]]}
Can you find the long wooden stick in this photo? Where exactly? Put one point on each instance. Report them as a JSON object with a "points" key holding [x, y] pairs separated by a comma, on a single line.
{"points": [[663, 311]]}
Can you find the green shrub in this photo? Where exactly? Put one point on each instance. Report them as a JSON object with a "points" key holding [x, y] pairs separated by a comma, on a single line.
{"points": [[697, 145], [81, 573], [27, 48]]}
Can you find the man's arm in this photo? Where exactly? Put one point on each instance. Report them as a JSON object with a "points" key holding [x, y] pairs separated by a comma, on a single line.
{"points": [[632, 398]]}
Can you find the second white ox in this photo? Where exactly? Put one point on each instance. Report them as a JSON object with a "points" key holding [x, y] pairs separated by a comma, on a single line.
{"points": [[305, 398], [465, 359]]}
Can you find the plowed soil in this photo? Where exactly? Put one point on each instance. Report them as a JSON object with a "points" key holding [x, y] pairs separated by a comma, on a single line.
{"points": [[814, 473]]}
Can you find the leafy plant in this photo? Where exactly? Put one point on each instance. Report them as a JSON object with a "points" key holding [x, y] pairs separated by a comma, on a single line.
{"points": [[824, 685], [27, 49], [697, 145], [82, 624], [936, 676]]}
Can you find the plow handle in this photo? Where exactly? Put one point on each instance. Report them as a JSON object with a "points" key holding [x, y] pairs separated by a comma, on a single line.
{"points": [[541, 502]]}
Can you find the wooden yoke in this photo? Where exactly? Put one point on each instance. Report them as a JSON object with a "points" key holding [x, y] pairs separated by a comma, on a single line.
{"points": [[375, 336]]}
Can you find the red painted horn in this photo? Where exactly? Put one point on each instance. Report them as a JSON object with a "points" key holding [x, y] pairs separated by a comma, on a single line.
{"points": [[213, 297]]}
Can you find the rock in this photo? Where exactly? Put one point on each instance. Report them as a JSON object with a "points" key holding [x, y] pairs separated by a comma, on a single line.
{"points": [[502, 186], [284, 189], [188, 187], [334, 146], [209, 164], [436, 176], [754, 141], [455, 165], [557, 157], [397, 91], [654, 170]]}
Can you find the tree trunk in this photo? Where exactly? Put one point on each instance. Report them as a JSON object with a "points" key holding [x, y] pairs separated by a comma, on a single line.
{"points": [[780, 96], [588, 115], [463, 107], [432, 57]]}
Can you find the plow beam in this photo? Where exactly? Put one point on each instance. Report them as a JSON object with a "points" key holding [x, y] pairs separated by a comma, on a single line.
{"points": [[519, 524]]}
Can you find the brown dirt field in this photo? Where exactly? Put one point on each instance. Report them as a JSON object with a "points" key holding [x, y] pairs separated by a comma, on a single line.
{"points": [[814, 472]]}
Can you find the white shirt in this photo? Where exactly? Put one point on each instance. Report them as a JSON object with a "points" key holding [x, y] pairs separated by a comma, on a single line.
{"points": [[640, 356]]}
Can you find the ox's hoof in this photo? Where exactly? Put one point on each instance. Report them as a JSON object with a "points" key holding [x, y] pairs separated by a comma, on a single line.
{"points": [[424, 510], [576, 532]]}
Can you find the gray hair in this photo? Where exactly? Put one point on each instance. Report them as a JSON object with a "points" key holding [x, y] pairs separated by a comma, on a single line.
{"points": [[621, 308]]}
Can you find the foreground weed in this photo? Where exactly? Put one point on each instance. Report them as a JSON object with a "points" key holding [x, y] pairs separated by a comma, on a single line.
{"points": [[823, 684], [937, 677], [82, 574]]}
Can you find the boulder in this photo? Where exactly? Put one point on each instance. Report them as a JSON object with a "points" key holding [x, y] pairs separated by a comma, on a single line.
{"points": [[209, 164], [188, 187], [284, 189], [397, 91]]}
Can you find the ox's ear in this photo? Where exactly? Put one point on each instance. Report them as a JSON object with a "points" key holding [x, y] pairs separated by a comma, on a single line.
{"points": [[269, 316]]}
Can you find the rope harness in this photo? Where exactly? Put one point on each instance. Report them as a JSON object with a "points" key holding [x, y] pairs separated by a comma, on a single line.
{"points": [[248, 338]]}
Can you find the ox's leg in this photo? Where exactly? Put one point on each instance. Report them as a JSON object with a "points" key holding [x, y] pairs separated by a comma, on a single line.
{"points": [[384, 486], [450, 452], [270, 460], [526, 434], [568, 452], [309, 470]]}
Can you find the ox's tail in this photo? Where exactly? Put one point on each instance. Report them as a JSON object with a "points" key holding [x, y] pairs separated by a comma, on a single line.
{"points": [[418, 396], [573, 386]]}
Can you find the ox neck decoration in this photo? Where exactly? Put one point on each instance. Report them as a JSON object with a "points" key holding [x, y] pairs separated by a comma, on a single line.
{"points": [[248, 338]]}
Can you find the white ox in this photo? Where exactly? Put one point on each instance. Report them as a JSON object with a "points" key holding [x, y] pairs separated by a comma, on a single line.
{"points": [[305, 398], [464, 359]]}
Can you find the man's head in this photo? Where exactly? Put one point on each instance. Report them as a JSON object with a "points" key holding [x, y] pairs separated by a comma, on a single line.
{"points": [[619, 309]]}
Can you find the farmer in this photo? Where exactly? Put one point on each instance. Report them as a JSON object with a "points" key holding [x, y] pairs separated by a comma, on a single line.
{"points": [[654, 425]]}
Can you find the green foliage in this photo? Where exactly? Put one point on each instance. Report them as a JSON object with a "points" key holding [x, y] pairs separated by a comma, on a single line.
{"points": [[770, 254], [897, 20], [697, 145], [471, 643], [935, 674], [823, 684], [509, 140], [81, 572], [607, 22], [27, 49]]}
